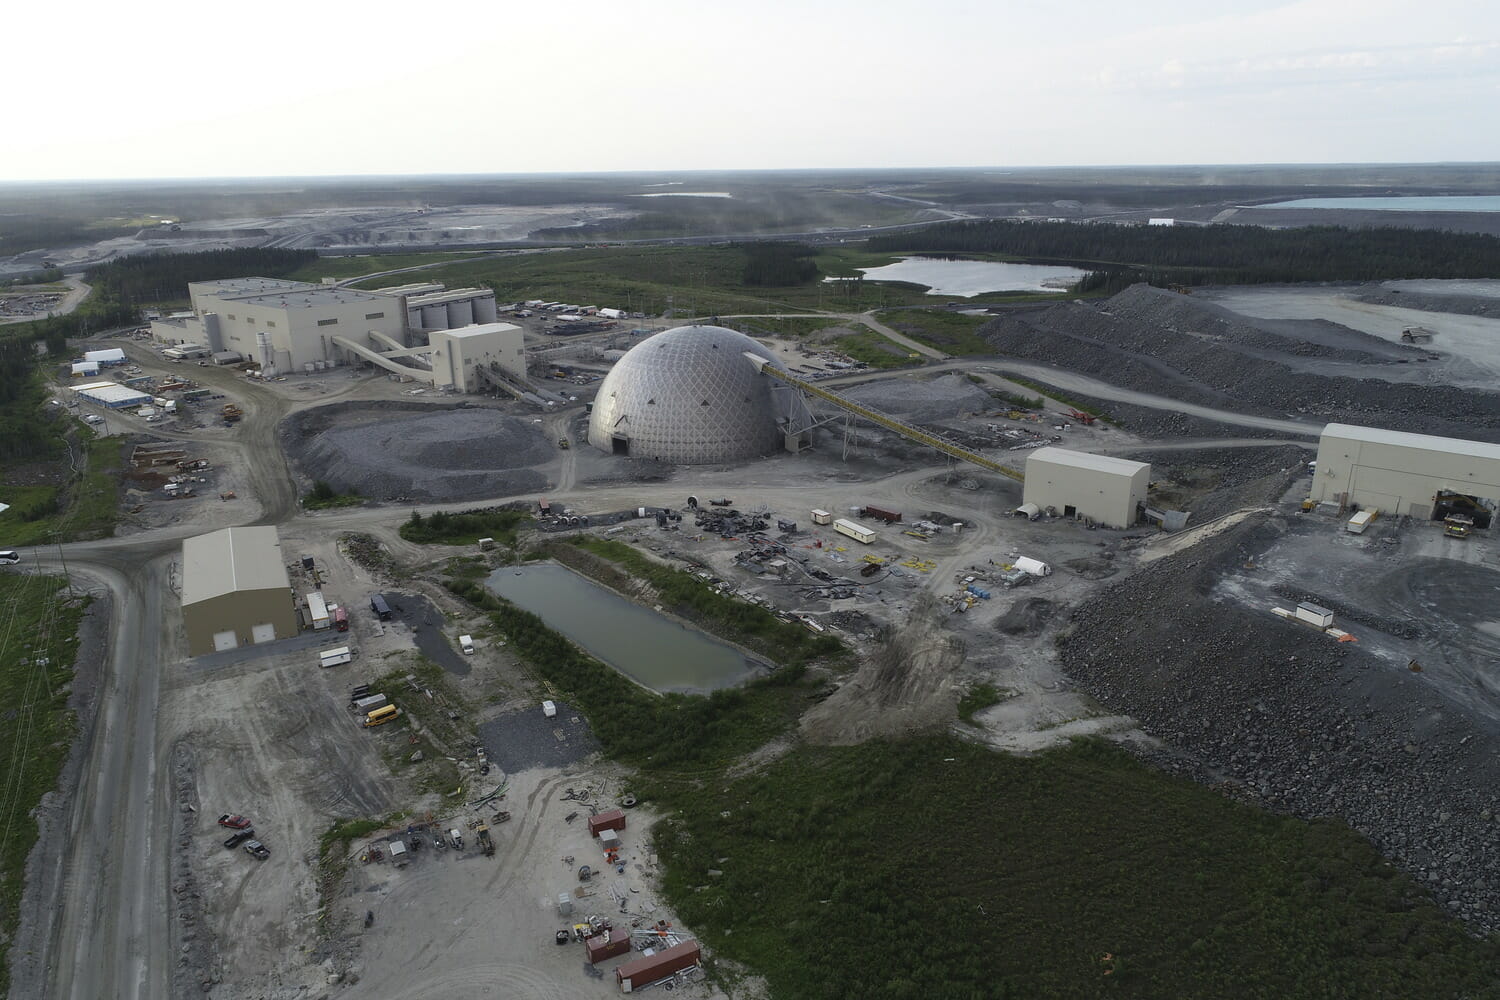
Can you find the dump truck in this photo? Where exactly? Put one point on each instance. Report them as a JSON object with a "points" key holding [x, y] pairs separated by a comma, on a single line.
{"points": [[232, 413], [486, 842]]}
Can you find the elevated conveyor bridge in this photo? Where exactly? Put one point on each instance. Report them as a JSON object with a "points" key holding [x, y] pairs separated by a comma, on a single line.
{"points": [[889, 423]]}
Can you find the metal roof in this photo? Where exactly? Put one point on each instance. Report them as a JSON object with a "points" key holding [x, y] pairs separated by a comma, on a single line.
{"points": [[310, 296], [1405, 439], [1083, 460], [225, 288], [232, 561], [477, 330], [451, 295]]}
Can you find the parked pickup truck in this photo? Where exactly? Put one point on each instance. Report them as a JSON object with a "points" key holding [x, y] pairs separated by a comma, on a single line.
{"points": [[257, 850], [237, 838]]}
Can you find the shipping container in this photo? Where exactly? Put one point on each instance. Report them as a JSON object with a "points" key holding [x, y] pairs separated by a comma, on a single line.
{"points": [[647, 969], [882, 514], [317, 611], [610, 819], [1359, 522], [822, 517], [382, 610], [1315, 615], [366, 704], [335, 657], [858, 532], [610, 944]]}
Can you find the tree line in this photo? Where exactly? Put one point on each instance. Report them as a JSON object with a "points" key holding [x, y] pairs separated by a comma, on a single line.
{"points": [[162, 277], [778, 265], [1200, 255]]}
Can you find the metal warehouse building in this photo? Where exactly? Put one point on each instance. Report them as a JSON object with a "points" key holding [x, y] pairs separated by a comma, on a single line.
{"points": [[1400, 473], [1076, 484], [235, 590]]}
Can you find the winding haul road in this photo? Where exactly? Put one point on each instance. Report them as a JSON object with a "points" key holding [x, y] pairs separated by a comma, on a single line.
{"points": [[108, 932]]}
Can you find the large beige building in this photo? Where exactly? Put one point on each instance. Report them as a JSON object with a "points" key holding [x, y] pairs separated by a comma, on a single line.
{"points": [[235, 590], [1106, 490], [1397, 472], [417, 331]]}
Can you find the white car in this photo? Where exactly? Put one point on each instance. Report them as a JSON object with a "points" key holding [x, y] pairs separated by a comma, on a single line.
{"points": [[94, 418]]}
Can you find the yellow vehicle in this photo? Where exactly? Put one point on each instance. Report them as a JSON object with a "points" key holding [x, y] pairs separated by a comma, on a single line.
{"points": [[380, 715]]}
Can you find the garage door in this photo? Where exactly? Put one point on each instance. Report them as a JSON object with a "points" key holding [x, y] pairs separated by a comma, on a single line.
{"points": [[263, 633], [224, 640]]}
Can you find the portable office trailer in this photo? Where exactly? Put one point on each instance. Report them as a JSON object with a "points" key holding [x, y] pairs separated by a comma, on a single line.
{"points": [[317, 611], [822, 517], [649, 969], [858, 532], [1359, 522], [1315, 615], [335, 657]]}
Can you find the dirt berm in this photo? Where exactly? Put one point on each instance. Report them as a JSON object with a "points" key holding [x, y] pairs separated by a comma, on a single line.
{"points": [[1175, 345], [1297, 721]]}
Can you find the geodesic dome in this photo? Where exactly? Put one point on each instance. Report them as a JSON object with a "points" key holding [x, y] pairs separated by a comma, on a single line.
{"points": [[689, 396]]}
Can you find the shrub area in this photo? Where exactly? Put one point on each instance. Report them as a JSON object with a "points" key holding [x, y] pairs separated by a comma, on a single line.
{"points": [[934, 868], [467, 528]]}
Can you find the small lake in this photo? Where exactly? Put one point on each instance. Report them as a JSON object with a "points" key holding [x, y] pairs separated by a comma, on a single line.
{"points": [[643, 645], [1415, 203], [962, 279]]}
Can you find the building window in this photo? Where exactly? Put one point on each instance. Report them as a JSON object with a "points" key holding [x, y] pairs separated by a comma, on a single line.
{"points": [[379, 315], [271, 324], [328, 322], [230, 315]]}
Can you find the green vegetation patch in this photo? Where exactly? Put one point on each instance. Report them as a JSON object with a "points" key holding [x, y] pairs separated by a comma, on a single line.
{"points": [[931, 867], [85, 508], [976, 700], [353, 267], [36, 727], [950, 332], [444, 528], [325, 497], [1056, 395], [874, 350]]}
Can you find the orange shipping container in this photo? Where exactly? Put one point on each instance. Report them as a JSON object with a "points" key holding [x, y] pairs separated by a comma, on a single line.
{"points": [[610, 819], [648, 969], [607, 945]]}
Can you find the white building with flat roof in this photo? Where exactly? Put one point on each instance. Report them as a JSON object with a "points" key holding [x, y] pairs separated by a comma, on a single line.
{"points": [[456, 353], [1397, 472], [1077, 484]]}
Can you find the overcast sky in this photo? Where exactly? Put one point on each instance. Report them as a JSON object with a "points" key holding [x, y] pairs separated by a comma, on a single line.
{"points": [[176, 89]]}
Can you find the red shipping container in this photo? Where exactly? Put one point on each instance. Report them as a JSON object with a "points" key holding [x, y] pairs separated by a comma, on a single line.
{"points": [[607, 945], [648, 969], [610, 819]]}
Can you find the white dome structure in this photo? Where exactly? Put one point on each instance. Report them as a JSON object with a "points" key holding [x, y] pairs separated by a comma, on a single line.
{"points": [[690, 396]]}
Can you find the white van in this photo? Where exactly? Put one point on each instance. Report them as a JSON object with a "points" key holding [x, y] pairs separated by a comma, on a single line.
{"points": [[466, 643]]}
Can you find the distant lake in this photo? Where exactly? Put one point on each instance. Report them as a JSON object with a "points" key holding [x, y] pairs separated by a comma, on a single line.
{"points": [[964, 279], [686, 194], [1416, 203]]}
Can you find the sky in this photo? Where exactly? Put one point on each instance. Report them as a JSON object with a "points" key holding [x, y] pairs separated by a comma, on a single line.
{"points": [[172, 89]]}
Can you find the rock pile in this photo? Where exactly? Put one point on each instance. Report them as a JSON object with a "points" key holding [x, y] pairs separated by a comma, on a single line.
{"points": [[1296, 721]]}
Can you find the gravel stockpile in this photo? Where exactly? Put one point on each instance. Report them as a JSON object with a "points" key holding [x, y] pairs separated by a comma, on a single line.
{"points": [[1150, 339], [1234, 477], [384, 452], [1410, 295], [1296, 721], [922, 401]]}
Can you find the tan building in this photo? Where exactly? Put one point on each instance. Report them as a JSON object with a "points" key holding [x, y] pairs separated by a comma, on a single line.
{"points": [[1077, 484], [1396, 472], [235, 590], [456, 353]]}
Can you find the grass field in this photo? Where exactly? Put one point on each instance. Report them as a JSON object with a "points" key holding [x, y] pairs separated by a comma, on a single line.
{"points": [[37, 648], [694, 281], [950, 332], [934, 868]]}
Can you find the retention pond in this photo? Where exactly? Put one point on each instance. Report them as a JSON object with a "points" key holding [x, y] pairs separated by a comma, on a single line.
{"points": [[642, 644]]}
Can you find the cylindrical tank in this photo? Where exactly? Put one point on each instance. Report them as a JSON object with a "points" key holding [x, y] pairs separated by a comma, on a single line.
{"points": [[460, 314], [485, 310], [435, 317]]}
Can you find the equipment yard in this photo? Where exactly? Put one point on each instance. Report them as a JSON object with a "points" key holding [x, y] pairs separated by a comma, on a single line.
{"points": [[421, 768]]}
